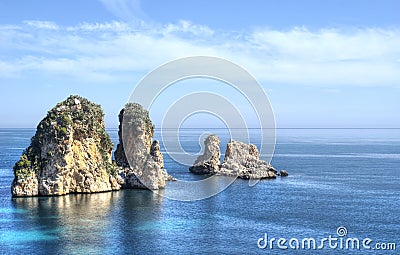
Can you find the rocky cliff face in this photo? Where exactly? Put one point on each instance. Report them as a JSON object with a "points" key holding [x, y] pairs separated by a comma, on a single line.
{"points": [[155, 153], [243, 160], [141, 162], [240, 160], [70, 153], [209, 162]]}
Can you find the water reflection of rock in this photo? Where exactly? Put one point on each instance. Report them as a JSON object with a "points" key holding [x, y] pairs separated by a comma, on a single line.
{"points": [[90, 223]]}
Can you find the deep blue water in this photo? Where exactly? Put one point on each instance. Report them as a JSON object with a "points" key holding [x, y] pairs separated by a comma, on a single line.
{"points": [[338, 177]]}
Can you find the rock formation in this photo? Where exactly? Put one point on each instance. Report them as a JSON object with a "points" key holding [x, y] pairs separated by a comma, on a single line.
{"points": [[240, 160], [283, 173], [70, 153], [141, 162], [155, 153], [243, 160], [157, 156], [209, 162]]}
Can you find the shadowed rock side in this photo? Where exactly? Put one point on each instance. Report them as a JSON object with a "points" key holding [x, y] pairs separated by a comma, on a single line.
{"points": [[155, 153], [70, 153], [140, 161], [243, 160], [157, 156], [240, 160], [209, 162], [283, 173]]}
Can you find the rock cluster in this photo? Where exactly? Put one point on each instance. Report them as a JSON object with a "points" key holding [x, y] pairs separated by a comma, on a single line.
{"points": [[241, 160], [72, 153]]}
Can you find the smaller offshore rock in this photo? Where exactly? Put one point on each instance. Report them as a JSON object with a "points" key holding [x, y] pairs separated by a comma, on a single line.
{"points": [[283, 173], [242, 160], [209, 162]]}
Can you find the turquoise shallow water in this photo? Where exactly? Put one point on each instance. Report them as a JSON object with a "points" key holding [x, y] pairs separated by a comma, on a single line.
{"points": [[338, 177]]}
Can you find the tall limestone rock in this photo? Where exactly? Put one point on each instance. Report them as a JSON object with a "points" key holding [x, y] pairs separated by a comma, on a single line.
{"points": [[209, 162], [141, 162], [70, 153]]}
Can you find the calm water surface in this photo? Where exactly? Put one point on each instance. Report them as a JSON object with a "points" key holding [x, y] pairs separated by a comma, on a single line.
{"points": [[338, 177]]}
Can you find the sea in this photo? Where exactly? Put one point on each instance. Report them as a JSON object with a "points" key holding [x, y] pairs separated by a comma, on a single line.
{"points": [[343, 189]]}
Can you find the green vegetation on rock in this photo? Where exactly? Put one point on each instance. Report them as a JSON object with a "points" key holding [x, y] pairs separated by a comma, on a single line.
{"points": [[76, 117], [134, 114], [22, 167]]}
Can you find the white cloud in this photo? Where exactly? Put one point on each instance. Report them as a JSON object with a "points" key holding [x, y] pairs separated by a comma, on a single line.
{"points": [[187, 27], [109, 26], [42, 24], [329, 56], [328, 44], [111, 52]]}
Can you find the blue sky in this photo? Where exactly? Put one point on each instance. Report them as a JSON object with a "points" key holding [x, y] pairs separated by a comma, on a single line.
{"points": [[322, 63]]}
